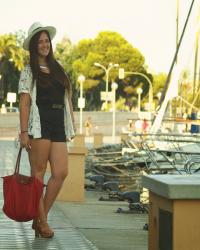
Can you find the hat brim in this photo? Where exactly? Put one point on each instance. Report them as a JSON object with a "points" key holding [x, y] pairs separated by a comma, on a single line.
{"points": [[50, 29]]}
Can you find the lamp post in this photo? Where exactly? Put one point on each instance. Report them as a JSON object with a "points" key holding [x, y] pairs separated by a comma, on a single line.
{"points": [[107, 70], [81, 101], [122, 75], [139, 92], [114, 87]]}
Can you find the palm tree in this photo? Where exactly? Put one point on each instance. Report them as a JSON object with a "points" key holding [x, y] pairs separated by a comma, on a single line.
{"points": [[12, 58]]}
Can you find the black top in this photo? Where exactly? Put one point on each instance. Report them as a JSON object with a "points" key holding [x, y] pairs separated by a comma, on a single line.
{"points": [[49, 90]]}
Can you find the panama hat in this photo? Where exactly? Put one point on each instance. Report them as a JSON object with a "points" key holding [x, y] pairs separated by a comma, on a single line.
{"points": [[35, 28]]}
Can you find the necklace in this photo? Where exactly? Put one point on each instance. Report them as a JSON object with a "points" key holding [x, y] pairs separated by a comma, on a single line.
{"points": [[43, 67]]}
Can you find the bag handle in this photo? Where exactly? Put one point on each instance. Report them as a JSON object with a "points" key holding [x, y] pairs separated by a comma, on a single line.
{"points": [[18, 161], [18, 164]]}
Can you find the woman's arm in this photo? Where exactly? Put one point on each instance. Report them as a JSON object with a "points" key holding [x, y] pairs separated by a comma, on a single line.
{"points": [[24, 106]]}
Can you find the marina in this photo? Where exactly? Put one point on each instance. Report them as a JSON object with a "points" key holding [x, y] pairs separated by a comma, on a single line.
{"points": [[124, 166]]}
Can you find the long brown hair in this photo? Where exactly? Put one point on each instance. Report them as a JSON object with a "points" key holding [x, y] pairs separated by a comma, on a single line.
{"points": [[56, 70]]}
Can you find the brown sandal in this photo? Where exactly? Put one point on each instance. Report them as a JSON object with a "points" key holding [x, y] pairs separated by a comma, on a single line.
{"points": [[43, 230]]}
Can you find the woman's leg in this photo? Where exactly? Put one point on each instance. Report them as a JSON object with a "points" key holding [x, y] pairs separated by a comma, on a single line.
{"points": [[58, 159], [38, 157]]}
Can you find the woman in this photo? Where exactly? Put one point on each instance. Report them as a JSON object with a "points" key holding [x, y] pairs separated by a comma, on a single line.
{"points": [[46, 118]]}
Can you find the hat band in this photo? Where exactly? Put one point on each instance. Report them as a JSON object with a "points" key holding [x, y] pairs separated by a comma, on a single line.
{"points": [[36, 29]]}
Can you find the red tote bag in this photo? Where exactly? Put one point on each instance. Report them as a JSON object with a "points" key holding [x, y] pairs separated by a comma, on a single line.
{"points": [[21, 195]]}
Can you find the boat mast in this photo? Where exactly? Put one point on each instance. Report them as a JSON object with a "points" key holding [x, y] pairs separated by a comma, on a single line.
{"points": [[165, 97]]}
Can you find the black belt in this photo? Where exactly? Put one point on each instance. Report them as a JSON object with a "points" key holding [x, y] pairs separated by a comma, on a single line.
{"points": [[53, 106], [57, 106]]}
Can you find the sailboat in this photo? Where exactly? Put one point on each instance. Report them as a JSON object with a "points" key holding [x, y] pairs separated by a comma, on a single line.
{"points": [[189, 41]]}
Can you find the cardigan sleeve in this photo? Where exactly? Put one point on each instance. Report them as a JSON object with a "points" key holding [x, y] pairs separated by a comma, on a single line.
{"points": [[25, 81]]}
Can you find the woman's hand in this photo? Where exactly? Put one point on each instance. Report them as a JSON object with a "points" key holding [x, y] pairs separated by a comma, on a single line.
{"points": [[25, 141], [70, 139]]}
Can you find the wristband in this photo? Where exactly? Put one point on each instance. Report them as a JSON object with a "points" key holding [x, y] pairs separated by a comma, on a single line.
{"points": [[25, 131]]}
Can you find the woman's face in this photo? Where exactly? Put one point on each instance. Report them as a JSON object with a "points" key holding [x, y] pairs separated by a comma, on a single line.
{"points": [[43, 45]]}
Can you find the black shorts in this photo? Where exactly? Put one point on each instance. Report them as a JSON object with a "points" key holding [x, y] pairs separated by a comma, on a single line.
{"points": [[52, 123]]}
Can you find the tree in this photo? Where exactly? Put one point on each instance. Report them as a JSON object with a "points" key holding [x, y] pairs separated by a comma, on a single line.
{"points": [[12, 58], [65, 53], [158, 82], [107, 47]]}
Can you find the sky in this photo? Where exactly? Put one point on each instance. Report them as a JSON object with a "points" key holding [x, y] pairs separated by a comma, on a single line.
{"points": [[149, 25]]}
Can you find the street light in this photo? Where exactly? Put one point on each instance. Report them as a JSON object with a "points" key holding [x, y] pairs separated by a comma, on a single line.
{"points": [[114, 87], [139, 92], [122, 76], [81, 101], [110, 66]]}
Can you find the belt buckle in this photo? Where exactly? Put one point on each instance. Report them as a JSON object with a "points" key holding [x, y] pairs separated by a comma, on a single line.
{"points": [[57, 106]]}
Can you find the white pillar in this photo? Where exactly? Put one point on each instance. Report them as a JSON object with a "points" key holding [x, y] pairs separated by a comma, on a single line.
{"points": [[81, 101], [81, 109], [114, 87]]}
